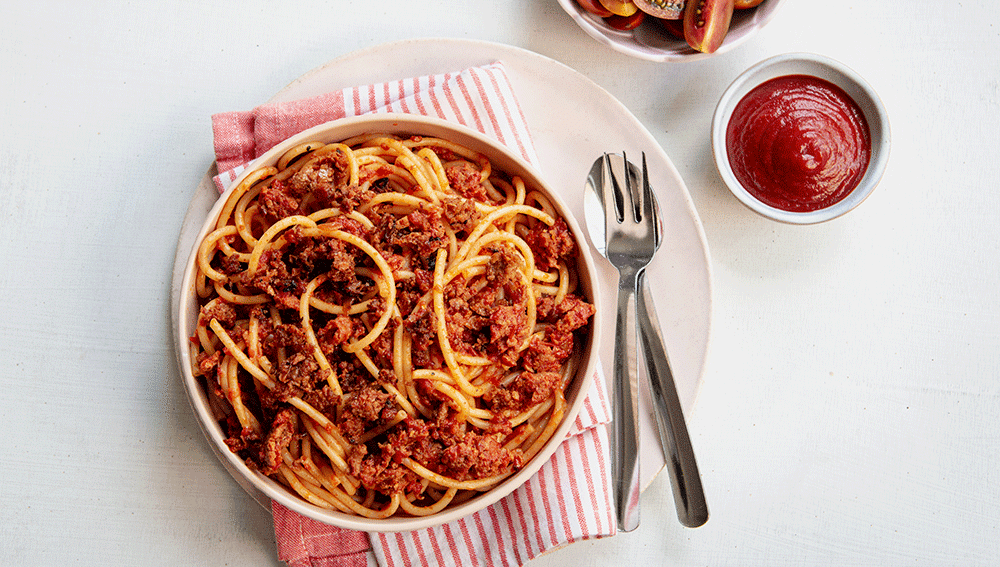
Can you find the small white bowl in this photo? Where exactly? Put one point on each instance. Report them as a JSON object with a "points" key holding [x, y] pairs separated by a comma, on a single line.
{"points": [[824, 68], [502, 158], [651, 42]]}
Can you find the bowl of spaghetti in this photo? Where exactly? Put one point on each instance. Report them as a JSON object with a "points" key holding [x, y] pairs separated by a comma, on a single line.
{"points": [[391, 321]]}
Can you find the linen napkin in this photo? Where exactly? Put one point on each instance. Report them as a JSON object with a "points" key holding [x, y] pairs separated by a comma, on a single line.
{"points": [[569, 498]]}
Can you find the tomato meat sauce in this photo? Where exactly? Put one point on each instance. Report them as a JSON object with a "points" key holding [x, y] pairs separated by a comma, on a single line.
{"points": [[798, 143]]}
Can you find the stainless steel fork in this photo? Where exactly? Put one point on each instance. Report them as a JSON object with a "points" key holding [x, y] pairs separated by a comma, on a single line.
{"points": [[630, 233]]}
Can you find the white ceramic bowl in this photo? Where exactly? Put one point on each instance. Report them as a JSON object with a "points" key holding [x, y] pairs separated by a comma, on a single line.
{"points": [[501, 158], [651, 42], [824, 68]]}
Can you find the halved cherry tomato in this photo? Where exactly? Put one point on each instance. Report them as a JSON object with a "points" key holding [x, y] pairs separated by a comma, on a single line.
{"points": [[666, 9], [620, 7], [743, 4], [594, 7], [625, 23]]}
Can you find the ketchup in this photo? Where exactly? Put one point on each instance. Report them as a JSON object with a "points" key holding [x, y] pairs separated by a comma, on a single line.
{"points": [[798, 143]]}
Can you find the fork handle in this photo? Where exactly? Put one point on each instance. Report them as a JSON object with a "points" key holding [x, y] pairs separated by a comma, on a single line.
{"points": [[689, 497], [625, 407]]}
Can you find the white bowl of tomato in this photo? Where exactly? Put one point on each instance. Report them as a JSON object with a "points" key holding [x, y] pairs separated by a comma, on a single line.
{"points": [[671, 30]]}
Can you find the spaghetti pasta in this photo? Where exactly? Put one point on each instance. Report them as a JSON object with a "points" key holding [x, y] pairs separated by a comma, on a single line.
{"points": [[387, 323]]}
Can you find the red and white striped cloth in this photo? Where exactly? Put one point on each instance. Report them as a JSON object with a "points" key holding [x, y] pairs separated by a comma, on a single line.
{"points": [[569, 499]]}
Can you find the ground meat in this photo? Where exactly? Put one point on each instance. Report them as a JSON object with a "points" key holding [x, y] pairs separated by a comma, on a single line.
{"points": [[323, 177], [230, 265], [324, 400], [346, 198], [576, 313], [423, 331], [335, 333], [460, 214], [466, 180], [504, 272], [477, 456], [550, 244], [537, 387], [424, 279], [528, 389], [369, 403], [380, 350], [221, 311], [350, 372], [413, 438], [208, 363], [545, 308], [427, 222], [507, 329], [378, 471], [275, 278], [547, 353], [301, 371], [468, 331], [281, 434], [239, 445], [422, 232], [365, 407], [491, 320], [309, 256], [410, 290], [274, 337], [276, 201], [244, 442]]}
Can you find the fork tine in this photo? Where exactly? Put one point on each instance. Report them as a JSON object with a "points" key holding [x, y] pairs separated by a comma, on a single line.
{"points": [[649, 200], [615, 194], [647, 193], [630, 200]]}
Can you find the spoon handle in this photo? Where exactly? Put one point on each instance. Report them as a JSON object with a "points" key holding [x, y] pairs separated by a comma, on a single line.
{"points": [[689, 497], [625, 407]]}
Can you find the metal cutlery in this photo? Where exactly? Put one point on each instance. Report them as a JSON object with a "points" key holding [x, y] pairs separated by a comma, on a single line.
{"points": [[689, 496], [629, 240], [625, 228]]}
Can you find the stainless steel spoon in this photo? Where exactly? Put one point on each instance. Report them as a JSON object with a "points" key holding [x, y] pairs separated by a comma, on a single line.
{"points": [[689, 496]]}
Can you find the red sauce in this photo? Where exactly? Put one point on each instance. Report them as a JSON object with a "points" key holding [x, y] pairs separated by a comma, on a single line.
{"points": [[798, 143]]}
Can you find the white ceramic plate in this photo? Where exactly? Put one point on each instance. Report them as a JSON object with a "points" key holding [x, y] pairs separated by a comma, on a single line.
{"points": [[568, 134], [652, 43]]}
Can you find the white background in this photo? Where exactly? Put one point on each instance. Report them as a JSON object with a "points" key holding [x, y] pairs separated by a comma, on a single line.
{"points": [[851, 405]]}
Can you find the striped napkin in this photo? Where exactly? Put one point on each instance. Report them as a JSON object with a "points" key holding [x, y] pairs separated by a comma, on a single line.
{"points": [[569, 498]]}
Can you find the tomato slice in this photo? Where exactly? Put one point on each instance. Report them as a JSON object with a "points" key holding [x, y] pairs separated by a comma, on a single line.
{"points": [[625, 23], [594, 7], [620, 7]]}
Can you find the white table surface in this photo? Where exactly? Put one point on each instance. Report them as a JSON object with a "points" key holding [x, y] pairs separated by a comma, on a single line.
{"points": [[850, 409]]}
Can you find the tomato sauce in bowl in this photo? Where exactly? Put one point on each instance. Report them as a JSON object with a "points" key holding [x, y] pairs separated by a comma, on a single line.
{"points": [[800, 138], [798, 143]]}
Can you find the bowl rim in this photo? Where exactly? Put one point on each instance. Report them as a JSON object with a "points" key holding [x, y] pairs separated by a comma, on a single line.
{"points": [[816, 65], [503, 158]]}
